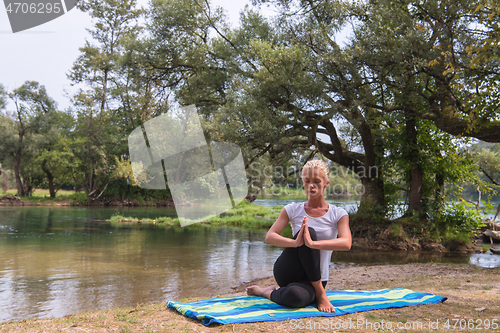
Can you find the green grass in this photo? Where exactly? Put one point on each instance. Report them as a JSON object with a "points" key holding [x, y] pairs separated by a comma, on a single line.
{"points": [[243, 215], [43, 196], [120, 221], [40, 193], [290, 193], [246, 208], [485, 247]]}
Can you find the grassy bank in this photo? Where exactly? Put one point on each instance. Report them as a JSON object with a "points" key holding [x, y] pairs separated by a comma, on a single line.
{"points": [[245, 215], [64, 197], [472, 299], [42, 196]]}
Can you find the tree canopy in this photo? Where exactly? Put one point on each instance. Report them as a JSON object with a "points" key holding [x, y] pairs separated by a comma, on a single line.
{"points": [[284, 84]]}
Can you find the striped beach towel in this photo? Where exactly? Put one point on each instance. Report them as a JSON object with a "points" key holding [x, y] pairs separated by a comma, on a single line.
{"points": [[248, 309]]}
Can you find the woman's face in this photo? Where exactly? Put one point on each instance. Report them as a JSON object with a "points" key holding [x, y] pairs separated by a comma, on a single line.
{"points": [[314, 182]]}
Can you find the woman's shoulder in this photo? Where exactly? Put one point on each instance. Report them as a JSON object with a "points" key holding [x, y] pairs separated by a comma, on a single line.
{"points": [[294, 204], [337, 212], [293, 208]]}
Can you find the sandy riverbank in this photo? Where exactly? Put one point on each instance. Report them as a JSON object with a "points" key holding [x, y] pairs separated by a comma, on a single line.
{"points": [[473, 296]]}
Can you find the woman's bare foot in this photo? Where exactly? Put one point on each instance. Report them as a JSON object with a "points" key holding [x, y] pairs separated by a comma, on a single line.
{"points": [[258, 291], [324, 304]]}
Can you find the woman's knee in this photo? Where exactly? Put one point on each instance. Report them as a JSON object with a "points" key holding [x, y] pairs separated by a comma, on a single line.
{"points": [[296, 296]]}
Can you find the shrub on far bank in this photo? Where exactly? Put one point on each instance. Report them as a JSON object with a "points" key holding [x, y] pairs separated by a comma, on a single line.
{"points": [[458, 221]]}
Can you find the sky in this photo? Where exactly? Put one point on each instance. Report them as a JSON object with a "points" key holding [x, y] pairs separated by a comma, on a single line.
{"points": [[47, 52]]}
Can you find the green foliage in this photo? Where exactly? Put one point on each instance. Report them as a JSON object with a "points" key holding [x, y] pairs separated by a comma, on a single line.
{"points": [[397, 231], [8, 140], [3, 97], [462, 217], [55, 153], [369, 214], [483, 179], [485, 51], [488, 163], [79, 197], [393, 195], [32, 117], [440, 158], [458, 220]]}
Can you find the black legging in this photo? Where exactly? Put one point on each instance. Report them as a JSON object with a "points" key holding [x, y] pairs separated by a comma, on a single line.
{"points": [[294, 270]]}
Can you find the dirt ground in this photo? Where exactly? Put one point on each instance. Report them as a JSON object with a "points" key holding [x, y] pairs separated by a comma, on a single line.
{"points": [[358, 277], [473, 305]]}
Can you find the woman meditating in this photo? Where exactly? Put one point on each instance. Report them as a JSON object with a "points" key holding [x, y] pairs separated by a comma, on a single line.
{"points": [[319, 228]]}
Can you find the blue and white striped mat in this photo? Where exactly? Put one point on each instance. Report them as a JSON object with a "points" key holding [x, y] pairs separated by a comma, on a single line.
{"points": [[248, 309]]}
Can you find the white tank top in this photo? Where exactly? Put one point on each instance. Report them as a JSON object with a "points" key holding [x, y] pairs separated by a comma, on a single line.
{"points": [[325, 227]]}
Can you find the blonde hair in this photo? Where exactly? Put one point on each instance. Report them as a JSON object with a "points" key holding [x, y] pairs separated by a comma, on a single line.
{"points": [[318, 164]]}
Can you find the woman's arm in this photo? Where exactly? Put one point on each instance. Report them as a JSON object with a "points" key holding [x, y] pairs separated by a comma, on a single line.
{"points": [[273, 236], [341, 243]]}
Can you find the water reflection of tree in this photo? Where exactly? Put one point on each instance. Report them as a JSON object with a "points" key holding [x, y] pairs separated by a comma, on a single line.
{"points": [[50, 215]]}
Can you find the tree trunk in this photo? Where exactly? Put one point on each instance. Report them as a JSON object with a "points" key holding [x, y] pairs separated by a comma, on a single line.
{"points": [[415, 172], [50, 178], [5, 182], [373, 195], [89, 178], [367, 166], [28, 189], [4, 185], [440, 189], [17, 173], [373, 199]]}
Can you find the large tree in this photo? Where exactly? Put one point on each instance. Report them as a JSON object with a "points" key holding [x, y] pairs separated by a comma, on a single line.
{"points": [[55, 155], [283, 84], [416, 57], [32, 107], [102, 103], [257, 87]]}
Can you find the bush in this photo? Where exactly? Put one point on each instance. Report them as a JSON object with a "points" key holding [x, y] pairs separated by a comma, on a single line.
{"points": [[458, 220], [79, 197], [462, 217]]}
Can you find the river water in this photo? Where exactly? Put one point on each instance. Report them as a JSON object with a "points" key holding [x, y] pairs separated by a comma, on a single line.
{"points": [[62, 260]]}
